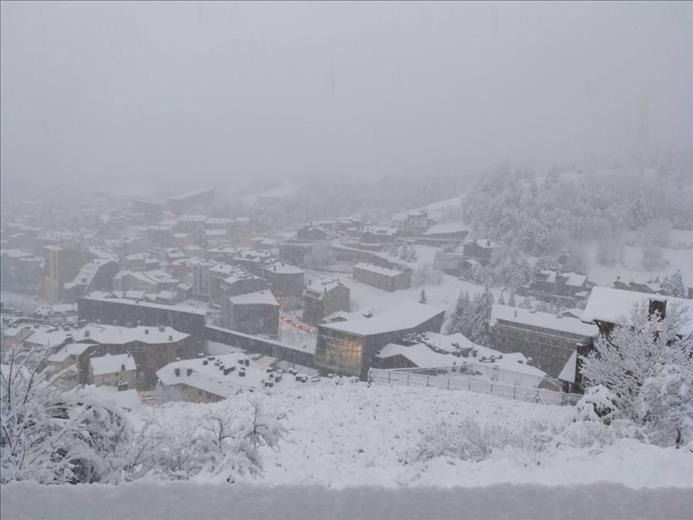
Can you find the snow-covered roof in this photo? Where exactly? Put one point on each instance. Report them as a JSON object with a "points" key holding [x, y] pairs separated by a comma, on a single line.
{"points": [[419, 354], [484, 242], [321, 286], [448, 343], [612, 305], [179, 308], [116, 335], [569, 278], [210, 378], [447, 227], [254, 298], [544, 320], [570, 369], [71, 349], [110, 364], [377, 269], [106, 394], [405, 316], [281, 267]]}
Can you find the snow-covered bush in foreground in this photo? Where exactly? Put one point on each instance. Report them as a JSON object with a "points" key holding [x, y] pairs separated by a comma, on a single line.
{"points": [[646, 364], [222, 440], [53, 437]]}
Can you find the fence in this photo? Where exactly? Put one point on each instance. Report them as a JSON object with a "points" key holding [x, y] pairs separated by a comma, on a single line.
{"points": [[449, 381]]}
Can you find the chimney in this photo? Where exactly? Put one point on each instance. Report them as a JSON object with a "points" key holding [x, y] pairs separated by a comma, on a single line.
{"points": [[146, 331], [177, 371], [122, 367], [170, 338], [189, 372]]}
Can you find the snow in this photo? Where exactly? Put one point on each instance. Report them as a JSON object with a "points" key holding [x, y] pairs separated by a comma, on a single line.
{"points": [[105, 394], [183, 308], [71, 349], [112, 364], [544, 320], [405, 316], [446, 227], [211, 379], [207, 501], [434, 210], [254, 298], [569, 370], [611, 305], [630, 267], [384, 271], [116, 335]]}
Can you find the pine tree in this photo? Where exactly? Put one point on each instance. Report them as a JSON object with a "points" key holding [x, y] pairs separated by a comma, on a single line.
{"points": [[476, 319], [456, 320]]}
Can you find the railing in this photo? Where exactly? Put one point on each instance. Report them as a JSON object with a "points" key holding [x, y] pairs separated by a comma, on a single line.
{"points": [[449, 381]]}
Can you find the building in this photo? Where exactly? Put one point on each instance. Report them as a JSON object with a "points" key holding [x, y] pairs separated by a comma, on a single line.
{"points": [[115, 370], [416, 222], [480, 249], [649, 286], [97, 275], [214, 378], [62, 265], [286, 280], [548, 339], [457, 355], [378, 234], [215, 278], [349, 347], [323, 298], [312, 233], [150, 347], [607, 306], [21, 272], [198, 199], [253, 313], [67, 355], [381, 277], [126, 312], [446, 233], [554, 286]]}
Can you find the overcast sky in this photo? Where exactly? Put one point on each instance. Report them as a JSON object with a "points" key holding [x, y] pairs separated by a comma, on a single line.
{"points": [[166, 91]]}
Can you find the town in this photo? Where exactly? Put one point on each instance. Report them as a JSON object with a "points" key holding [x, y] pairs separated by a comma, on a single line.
{"points": [[161, 300]]}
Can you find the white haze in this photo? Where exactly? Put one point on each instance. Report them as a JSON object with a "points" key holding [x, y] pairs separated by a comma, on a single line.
{"points": [[154, 93]]}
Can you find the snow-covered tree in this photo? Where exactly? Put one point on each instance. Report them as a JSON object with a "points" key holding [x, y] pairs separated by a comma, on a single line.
{"points": [[321, 255], [673, 285], [646, 363], [455, 321]]}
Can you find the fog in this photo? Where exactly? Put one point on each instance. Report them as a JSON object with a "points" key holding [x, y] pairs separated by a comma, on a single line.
{"points": [[159, 94]]}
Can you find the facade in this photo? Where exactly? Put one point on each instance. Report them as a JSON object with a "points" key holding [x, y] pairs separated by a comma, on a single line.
{"points": [[349, 347], [286, 280], [480, 250], [21, 272], [555, 286], [112, 370], [97, 275], [323, 298], [548, 339], [215, 278], [125, 312], [416, 223], [62, 265], [381, 277], [149, 347], [253, 313]]}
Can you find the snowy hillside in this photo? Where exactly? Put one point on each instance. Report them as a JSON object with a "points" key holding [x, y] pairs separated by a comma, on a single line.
{"points": [[352, 434]]}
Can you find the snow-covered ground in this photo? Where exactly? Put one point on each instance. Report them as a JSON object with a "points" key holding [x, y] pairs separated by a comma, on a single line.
{"points": [[351, 434], [173, 500], [631, 267]]}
